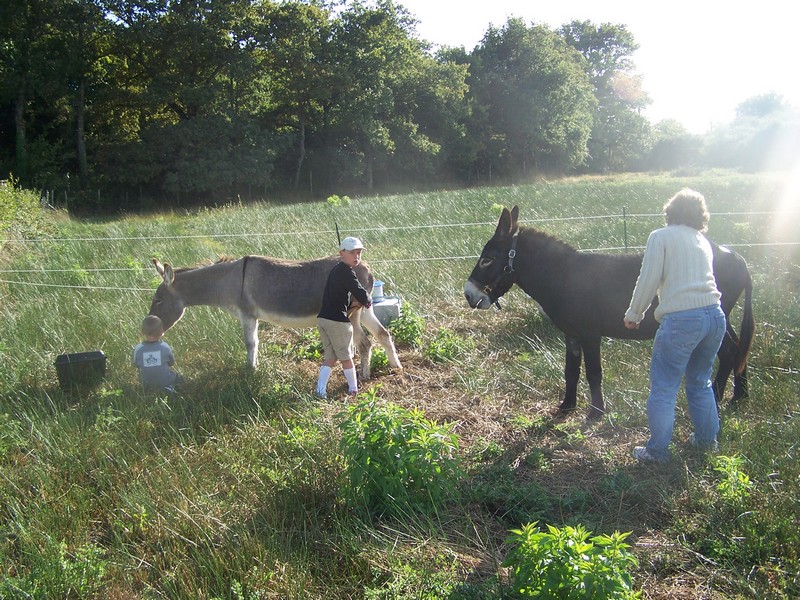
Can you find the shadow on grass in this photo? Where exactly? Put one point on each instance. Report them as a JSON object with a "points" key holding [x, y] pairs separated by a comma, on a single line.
{"points": [[561, 472]]}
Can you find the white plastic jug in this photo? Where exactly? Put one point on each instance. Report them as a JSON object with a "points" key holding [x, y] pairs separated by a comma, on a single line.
{"points": [[377, 291]]}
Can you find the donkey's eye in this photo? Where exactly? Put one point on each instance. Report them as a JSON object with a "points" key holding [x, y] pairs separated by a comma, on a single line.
{"points": [[485, 262]]}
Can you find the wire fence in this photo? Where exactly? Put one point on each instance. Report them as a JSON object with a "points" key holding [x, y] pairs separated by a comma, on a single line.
{"points": [[316, 233], [148, 238]]}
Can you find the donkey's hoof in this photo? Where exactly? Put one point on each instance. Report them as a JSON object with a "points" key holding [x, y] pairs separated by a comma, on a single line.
{"points": [[562, 411], [595, 415]]}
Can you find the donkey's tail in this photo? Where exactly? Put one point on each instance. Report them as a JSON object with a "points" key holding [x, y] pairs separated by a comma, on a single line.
{"points": [[747, 328]]}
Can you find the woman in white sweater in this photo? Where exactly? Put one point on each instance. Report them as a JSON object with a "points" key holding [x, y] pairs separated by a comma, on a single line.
{"points": [[677, 266]]}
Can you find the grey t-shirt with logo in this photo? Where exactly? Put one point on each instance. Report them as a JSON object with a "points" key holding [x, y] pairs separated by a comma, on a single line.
{"points": [[154, 361]]}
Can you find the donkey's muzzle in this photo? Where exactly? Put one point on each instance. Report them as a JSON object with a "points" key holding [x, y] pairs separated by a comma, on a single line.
{"points": [[477, 297]]}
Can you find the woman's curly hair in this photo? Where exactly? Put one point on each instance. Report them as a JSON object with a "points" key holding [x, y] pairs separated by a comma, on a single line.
{"points": [[687, 207]]}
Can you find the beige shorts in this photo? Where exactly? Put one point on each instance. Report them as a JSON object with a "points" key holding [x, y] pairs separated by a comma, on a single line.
{"points": [[337, 339]]}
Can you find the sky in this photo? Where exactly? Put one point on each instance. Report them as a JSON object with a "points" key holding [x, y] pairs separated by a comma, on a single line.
{"points": [[698, 59]]}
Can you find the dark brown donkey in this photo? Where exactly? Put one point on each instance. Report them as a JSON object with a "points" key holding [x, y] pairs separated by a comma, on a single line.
{"points": [[287, 293], [586, 295]]}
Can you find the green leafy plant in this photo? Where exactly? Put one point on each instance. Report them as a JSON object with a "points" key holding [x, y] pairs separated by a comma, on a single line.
{"points": [[395, 457], [447, 345], [20, 213], [566, 563], [408, 328], [378, 359], [308, 347], [61, 574], [734, 485], [335, 200]]}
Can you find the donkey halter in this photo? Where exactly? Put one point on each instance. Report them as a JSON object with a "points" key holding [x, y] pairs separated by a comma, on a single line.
{"points": [[507, 272]]}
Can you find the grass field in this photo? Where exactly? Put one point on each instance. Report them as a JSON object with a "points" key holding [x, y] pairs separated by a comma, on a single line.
{"points": [[236, 488]]}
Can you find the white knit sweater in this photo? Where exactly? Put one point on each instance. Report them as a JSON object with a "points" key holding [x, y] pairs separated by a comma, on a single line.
{"points": [[677, 266]]}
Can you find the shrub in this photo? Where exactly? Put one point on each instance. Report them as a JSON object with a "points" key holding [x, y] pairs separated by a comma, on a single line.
{"points": [[335, 200], [378, 359], [565, 563], [447, 345], [20, 213], [395, 457], [408, 328], [734, 486]]}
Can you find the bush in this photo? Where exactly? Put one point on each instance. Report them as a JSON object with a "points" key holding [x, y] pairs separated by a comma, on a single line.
{"points": [[396, 458], [565, 563], [378, 359], [335, 200], [20, 213], [447, 346], [407, 329]]}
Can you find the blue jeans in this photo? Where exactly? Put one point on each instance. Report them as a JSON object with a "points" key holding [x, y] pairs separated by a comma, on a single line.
{"points": [[686, 344]]}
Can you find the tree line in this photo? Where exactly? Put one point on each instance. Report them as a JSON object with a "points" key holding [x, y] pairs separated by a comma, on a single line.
{"points": [[125, 103]]}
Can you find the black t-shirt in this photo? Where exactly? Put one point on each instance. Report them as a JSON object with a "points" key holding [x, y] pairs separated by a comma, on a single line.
{"points": [[342, 283]]}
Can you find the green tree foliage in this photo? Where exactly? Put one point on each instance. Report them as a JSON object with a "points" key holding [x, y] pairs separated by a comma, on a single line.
{"points": [[673, 147], [392, 96], [533, 101], [619, 131], [764, 135], [761, 106], [126, 102], [294, 41], [189, 75], [32, 68]]}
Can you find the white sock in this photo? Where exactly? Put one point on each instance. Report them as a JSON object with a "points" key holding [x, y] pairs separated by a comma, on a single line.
{"points": [[352, 381], [322, 381]]}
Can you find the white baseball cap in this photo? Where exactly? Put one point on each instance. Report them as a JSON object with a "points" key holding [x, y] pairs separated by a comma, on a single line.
{"points": [[351, 243]]}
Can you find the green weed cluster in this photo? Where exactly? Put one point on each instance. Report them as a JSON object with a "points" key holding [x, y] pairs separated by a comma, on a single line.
{"points": [[58, 573], [408, 329], [307, 347], [378, 360], [335, 201], [21, 215], [566, 564], [446, 345], [396, 459]]}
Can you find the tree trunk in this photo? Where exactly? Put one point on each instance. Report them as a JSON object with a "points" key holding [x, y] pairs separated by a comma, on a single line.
{"points": [[368, 175], [80, 111], [21, 165], [301, 154]]}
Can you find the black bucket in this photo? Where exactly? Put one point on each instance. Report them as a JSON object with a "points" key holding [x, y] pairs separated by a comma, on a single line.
{"points": [[82, 369]]}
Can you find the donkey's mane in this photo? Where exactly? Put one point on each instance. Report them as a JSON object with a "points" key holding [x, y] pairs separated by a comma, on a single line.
{"points": [[206, 263], [549, 239]]}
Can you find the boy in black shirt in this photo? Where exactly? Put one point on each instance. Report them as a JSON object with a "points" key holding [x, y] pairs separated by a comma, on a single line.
{"points": [[335, 328]]}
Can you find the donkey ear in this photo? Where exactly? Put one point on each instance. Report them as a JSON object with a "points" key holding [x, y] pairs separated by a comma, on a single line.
{"points": [[514, 218], [159, 267], [169, 274], [504, 225]]}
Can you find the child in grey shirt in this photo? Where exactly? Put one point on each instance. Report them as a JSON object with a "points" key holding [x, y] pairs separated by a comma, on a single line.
{"points": [[154, 359]]}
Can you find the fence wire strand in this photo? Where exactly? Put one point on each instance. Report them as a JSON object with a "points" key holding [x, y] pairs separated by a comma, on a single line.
{"points": [[358, 230]]}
